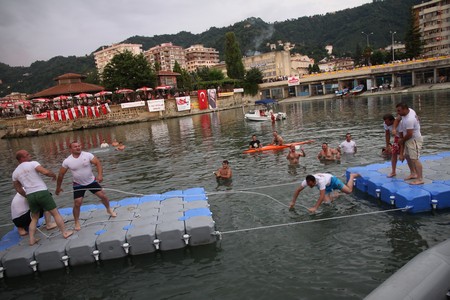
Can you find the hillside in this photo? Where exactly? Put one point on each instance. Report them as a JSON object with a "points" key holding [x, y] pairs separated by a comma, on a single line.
{"points": [[341, 29]]}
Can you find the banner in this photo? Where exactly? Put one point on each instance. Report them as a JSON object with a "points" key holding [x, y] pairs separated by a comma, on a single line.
{"points": [[156, 105], [132, 104], [183, 103], [36, 116], [72, 113], [238, 90], [202, 99], [226, 94], [212, 98], [292, 81]]}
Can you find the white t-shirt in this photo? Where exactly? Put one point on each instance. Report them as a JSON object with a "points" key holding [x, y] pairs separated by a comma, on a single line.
{"points": [[411, 121], [322, 180], [80, 167], [19, 206], [104, 145], [30, 179], [348, 147], [391, 127]]}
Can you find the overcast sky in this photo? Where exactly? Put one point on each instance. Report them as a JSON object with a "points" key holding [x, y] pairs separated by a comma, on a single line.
{"points": [[33, 30]]}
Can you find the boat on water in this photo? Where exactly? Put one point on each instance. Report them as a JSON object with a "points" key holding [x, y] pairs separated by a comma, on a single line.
{"points": [[263, 111], [277, 147], [341, 93], [357, 89]]}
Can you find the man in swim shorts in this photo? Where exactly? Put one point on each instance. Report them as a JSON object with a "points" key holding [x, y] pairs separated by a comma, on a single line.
{"points": [[80, 164], [26, 178], [326, 183]]}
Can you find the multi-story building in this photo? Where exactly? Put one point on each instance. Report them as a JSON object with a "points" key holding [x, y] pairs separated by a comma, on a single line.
{"points": [[336, 64], [198, 56], [166, 55], [104, 56], [300, 64], [273, 65], [433, 19]]}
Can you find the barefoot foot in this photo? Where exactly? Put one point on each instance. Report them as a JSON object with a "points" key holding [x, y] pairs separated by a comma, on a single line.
{"points": [[50, 226], [416, 182], [77, 226], [111, 213], [67, 233], [392, 175], [411, 177], [33, 241]]}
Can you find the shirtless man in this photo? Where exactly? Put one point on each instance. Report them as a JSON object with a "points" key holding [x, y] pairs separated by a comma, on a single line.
{"points": [[224, 172], [328, 153], [277, 139], [120, 147], [293, 156]]}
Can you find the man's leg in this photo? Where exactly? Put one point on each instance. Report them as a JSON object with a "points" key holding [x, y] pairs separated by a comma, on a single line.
{"points": [[105, 202], [412, 168], [32, 228], [48, 221], [76, 212], [60, 222], [348, 188], [418, 167], [394, 159]]}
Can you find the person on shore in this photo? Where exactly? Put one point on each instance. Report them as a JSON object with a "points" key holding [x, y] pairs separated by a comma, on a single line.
{"points": [[293, 156], [120, 147], [115, 143], [348, 146], [328, 153], [277, 139], [393, 149], [254, 143], [21, 215], [104, 144], [224, 172], [326, 183], [80, 164], [411, 142], [29, 184]]}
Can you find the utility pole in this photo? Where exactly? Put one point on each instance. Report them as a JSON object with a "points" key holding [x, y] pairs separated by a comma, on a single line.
{"points": [[367, 35], [393, 51]]}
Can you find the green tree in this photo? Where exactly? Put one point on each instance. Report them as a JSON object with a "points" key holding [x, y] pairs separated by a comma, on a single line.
{"points": [[253, 77], [358, 54], [184, 81], [379, 57], [367, 54], [413, 42], [233, 57], [126, 70], [208, 74]]}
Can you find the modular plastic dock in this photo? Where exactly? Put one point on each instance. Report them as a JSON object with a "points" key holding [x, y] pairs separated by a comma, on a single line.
{"points": [[433, 194], [146, 224]]}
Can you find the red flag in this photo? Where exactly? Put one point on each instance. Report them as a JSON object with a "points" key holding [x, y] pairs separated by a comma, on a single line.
{"points": [[202, 99], [58, 116], [89, 111], [107, 107], [81, 110], [95, 111], [104, 110]]}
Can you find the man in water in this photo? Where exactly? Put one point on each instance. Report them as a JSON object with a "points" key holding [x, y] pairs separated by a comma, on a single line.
{"points": [[26, 178], [254, 143], [348, 146], [80, 164], [328, 153], [104, 144], [326, 183], [293, 156], [224, 172], [277, 139]]}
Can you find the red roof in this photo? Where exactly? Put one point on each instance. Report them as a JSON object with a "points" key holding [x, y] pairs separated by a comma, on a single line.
{"points": [[69, 88], [167, 73], [70, 76]]}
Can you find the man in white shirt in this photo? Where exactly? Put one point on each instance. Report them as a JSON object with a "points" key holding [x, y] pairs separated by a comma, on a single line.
{"points": [[326, 183], [412, 142], [348, 146], [26, 178], [80, 164]]}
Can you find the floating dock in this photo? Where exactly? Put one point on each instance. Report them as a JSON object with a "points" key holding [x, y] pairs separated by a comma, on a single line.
{"points": [[168, 221], [433, 194]]}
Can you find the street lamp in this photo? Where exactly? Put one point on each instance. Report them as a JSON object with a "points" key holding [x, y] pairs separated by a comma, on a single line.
{"points": [[392, 36], [367, 35]]}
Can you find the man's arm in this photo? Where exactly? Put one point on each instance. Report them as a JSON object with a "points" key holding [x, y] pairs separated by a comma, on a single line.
{"points": [[45, 172], [294, 198], [62, 172], [19, 188], [395, 125], [96, 162], [319, 201], [387, 137], [303, 152]]}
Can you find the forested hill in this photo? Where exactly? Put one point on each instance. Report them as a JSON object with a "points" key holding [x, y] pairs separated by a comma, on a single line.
{"points": [[341, 29]]}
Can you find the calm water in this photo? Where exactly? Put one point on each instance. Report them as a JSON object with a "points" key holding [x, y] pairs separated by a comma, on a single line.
{"points": [[344, 258]]}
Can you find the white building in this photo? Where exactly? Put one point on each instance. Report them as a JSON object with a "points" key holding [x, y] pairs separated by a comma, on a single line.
{"points": [[104, 56]]}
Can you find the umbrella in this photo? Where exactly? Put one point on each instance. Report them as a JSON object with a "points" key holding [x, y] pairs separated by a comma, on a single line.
{"points": [[102, 93], [84, 95], [163, 87], [40, 100], [62, 97], [124, 91], [144, 89]]}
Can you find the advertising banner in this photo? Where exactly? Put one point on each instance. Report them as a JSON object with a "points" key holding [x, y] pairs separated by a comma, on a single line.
{"points": [[132, 104], [156, 105], [202, 99], [183, 103]]}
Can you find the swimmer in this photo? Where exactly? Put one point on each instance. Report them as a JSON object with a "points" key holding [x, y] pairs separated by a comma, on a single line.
{"points": [[293, 156], [224, 172]]}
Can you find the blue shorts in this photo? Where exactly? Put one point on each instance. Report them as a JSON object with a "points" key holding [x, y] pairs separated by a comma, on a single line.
{"points": [[335, 184]]}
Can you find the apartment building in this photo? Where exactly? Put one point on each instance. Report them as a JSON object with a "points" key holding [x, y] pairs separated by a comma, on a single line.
{"points": [[198, 56], [433, 19], [300, 64], [166, 55], [104, 56], [273, 65]]}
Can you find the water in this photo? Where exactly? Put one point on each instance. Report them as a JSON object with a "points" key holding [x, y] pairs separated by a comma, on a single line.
{"points": [[337, 259]]}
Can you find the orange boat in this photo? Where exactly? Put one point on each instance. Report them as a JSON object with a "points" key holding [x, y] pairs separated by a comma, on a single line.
{"points": [[276, 147]]}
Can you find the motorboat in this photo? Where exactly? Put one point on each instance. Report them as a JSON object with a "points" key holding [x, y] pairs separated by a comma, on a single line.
{"points": [[357, 89], [263, 111], [341, 93]]}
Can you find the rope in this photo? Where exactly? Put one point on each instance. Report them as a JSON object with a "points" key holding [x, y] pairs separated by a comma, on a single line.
{"points": [[108, 189], [312, 221]]}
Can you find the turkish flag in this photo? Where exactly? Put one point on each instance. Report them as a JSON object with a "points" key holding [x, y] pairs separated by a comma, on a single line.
{"points": [[202, 99], [104, 110], [81, 110], [107, 107], [72, 113]]}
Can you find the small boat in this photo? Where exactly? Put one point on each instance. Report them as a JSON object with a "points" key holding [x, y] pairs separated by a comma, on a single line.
{"points": [[341, 93], [276, 147], [357, 89], [263, 111]]}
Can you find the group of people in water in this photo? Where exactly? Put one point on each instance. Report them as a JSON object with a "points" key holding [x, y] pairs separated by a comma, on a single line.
{"points": [[118, 145]]}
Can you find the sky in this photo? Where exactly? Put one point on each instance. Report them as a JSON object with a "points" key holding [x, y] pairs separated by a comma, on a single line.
{"points": [[32, 30]]}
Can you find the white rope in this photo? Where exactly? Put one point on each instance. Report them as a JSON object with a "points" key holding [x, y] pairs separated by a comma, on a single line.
{"points": [[312, 221], [107, 189]]}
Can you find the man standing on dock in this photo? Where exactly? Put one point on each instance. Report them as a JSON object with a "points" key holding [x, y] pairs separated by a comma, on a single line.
{"points": [[80, 164], [411, 141]]}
